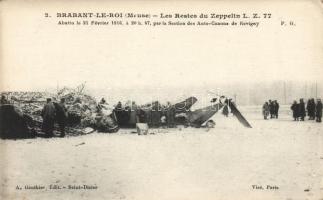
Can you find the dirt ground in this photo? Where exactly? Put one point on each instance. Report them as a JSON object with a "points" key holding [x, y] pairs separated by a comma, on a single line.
{"points": [[173, 164]]}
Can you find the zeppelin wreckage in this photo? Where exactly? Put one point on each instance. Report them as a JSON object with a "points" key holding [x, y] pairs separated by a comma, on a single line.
{"points": [[21, 114]]}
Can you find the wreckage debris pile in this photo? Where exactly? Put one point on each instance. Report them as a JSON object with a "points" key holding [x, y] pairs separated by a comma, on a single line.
{"points": [[13, 123], [84, 111], [81, 109], [84, 114]]}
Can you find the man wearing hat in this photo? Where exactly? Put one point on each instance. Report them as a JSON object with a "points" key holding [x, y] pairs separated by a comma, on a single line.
{"points": [[61, 116], [301, 109], [48, 114], [319, 111]]}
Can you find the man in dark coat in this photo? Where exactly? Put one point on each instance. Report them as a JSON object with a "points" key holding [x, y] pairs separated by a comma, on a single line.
{"points": [[170, 115], [133, 114], [48, 114], [225, 110], [311, 109], [319, 111], [276, 108], [156, 113], [118, 110], [295, 110], [265, 110], [271, 109], [302, 109], [126, 115], [141, 116], [61, 116]]}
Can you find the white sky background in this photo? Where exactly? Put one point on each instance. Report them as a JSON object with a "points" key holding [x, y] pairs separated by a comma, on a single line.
{"points": [[36, 54]]}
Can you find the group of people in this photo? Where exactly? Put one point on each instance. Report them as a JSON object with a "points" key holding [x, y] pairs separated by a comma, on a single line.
{"points": [[51, 113], [314, 110], [270, 108], [154, 115]]}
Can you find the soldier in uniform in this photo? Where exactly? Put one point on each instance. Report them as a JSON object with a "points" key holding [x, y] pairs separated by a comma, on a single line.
{"points": [[61, 116], [311, 109], [170, 115], [319, 111], [302, 109], [295, 109], [276, 108], [48, 114], [271, 109], [265, 110]]}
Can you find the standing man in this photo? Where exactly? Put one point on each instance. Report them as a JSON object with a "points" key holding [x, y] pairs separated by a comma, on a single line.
{"points": [[295, 109], [265, 110], [314, 108], [225, 110], [271, 109], [48, 114], [170, 115], [319, 111], [155, 114], [119, 113], [133, 114], [61, 116], [309, 109], [141, 116], [302, 109], [276, 109]]}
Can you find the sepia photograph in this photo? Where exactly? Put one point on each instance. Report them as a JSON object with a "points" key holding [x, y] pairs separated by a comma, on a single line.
{"points": [[161, 100]]}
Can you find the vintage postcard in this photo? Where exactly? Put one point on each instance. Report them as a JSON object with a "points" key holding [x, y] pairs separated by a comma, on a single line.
{"points": [[161, 100]]}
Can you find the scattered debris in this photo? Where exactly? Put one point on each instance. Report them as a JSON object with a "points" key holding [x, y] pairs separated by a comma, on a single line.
{"points": [[21, 116], [83, 112], [80, 144], [210, 124], [88, 130], [142, 128]]}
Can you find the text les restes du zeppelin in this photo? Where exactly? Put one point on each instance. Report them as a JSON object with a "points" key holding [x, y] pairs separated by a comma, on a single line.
{"points": [[160, 15]]}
